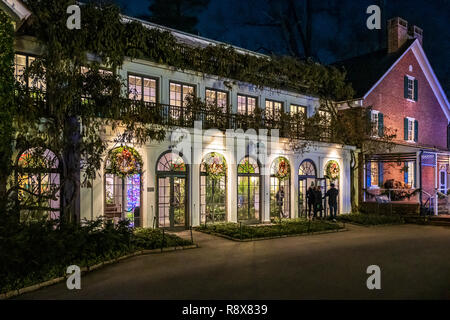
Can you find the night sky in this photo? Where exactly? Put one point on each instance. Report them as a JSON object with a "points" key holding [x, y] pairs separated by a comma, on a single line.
{"points": [[338, 33]]}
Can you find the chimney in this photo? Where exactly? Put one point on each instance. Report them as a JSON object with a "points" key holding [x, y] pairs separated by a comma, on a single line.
{"points": [[416, 33], [397, 33]]}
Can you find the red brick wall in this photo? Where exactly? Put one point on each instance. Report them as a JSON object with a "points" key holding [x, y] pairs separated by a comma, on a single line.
{"points": [[428, 179], [388, 98]]}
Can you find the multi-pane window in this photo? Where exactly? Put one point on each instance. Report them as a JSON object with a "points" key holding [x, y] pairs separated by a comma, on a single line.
{"points": [[410, 129], [179, 93], [326, 117], [374, 173], [142, 88], [273, 109], [410, 174], [410, 88], [21, 62], [374, 118], [217, 98], [297, 110], [246, 105]]}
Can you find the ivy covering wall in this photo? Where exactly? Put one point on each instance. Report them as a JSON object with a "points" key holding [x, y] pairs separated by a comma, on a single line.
{"points": [[6, 96]]}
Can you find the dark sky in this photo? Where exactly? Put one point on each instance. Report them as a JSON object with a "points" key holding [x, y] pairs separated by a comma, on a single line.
{"points": [[338, 33]]}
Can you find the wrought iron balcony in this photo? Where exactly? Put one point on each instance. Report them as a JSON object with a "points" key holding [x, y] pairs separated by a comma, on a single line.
{"points": [[176, 116]]}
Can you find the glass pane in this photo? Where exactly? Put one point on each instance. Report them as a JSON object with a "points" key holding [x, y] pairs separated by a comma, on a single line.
{"points": [[164, 202]]}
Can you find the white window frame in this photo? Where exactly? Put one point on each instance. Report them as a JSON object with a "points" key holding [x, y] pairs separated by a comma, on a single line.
{"points": [[411, 130], [374, 120], [411, 168], [411, 89]]}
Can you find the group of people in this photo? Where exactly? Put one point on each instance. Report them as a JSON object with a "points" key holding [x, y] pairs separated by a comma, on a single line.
{"points": [[315, 200]]}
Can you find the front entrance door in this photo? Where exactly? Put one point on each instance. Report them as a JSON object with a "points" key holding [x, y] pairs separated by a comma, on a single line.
{"points": [[303, 184], [172, 204], [443, 181]]}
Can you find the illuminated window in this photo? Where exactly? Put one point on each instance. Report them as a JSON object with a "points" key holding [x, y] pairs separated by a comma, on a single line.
{"points": [[217, 98], [246, 105], [297, 110], [273, 109], [374, 173], [38, 179], [21, 62], [141, 88], [179, 93]]}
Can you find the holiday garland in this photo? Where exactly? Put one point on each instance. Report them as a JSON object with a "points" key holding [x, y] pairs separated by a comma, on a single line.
{"points": [[332, 170], [124, 161]]}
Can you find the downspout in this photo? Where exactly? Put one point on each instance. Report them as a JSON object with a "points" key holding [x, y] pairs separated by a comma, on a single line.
{"points": [[420, 178]]}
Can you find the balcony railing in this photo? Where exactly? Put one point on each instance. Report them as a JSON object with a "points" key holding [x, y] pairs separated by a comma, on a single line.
{"points": [[176, 116]]}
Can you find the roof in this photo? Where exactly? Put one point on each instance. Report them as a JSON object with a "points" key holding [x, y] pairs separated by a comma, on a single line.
{"points": [[191, 39], [364, 71]]}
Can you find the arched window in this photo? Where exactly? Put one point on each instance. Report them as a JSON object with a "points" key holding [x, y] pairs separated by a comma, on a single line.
{"points": [[38, 173], [248, 190], [123, 172], [172, 186], [213, 188], [280, 181], [307, 169]]}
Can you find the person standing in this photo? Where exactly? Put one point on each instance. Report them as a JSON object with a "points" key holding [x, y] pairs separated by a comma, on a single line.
{"points": [[310, 198], [318, 206], [332, 195], [280, 199]]}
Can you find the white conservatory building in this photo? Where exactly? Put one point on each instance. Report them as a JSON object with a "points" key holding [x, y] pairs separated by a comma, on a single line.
{"points": [[199, 174]]}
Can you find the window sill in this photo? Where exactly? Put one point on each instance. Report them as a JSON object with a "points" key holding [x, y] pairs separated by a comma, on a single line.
{"points": [[411, 100]]}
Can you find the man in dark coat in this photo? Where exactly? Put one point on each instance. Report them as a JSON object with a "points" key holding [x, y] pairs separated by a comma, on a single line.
{"points": [[280, 198], [310, 198], [332, 195], [318, 206]]}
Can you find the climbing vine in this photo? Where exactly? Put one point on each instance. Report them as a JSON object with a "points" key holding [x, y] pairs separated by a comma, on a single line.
{"points": [[6, 98]]}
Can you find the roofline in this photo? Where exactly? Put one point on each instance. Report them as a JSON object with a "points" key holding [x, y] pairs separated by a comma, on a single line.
{"points": [[192, 37], [16, 8], [387, 72], [431, 77]]}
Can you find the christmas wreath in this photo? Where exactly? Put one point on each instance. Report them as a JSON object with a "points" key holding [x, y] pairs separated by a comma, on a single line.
{"points": [[332, 170], [124, 161], [282, 168], [215, 165]]}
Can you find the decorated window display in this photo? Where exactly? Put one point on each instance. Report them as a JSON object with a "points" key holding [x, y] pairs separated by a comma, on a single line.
{"points": [[279, 188], [213, 188], [123, 184]]}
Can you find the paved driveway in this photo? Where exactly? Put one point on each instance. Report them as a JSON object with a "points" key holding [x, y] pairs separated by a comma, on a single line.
{"points": [[414, 262]]}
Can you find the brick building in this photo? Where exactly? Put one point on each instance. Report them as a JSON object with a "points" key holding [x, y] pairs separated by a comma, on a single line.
{"points": [[402, 94]]}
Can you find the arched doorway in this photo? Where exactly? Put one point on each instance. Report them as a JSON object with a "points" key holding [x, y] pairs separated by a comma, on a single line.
{"points": [[331, 173], [213, 188], [280, 182], [307, 176], [38, 172], [123, 185], [249, 192], [172, 186]]}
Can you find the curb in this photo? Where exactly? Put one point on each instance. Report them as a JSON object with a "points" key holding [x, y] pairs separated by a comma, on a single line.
{"points": [[84, 270], [275, 237], [375, 225]]}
